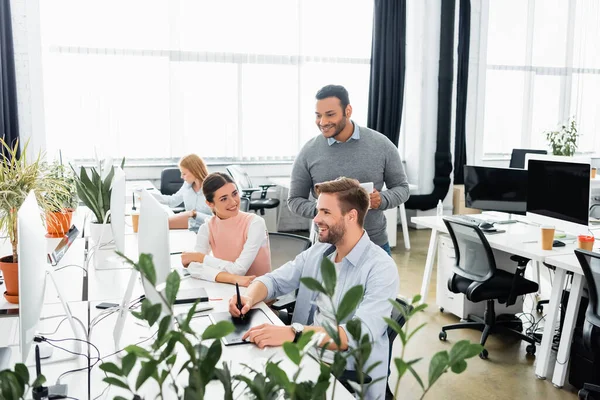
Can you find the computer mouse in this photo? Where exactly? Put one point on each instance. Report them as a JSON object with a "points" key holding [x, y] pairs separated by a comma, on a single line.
{"points": [[486, 226], [557, 243]]}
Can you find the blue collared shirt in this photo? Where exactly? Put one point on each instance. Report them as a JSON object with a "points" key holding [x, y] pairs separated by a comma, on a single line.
{"points": [[367, 264], [192, 200], [355, 136]]}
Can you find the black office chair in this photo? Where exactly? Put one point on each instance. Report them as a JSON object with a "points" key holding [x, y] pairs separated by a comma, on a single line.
{"points": [[285, 247], [590, 264], [475, 275], [170, 181], [397, 316], [245, 185], [517, 158]]}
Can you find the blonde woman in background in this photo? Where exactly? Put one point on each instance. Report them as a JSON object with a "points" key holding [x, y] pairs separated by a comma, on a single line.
{"points": [[193, 172]]}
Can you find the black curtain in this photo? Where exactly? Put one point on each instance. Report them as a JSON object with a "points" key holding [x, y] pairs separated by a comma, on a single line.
{"points": [[464, 37], [9, 121], [388, 56]]}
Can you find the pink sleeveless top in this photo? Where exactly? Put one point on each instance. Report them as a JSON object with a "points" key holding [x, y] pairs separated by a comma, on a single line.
{"points": [[228, 236]]}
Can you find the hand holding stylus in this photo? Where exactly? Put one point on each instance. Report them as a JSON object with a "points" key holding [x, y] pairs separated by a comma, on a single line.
{"points": [[239, 305]]}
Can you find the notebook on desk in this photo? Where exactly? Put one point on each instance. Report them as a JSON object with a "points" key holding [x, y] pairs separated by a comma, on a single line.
{"points": [[253, 318]]}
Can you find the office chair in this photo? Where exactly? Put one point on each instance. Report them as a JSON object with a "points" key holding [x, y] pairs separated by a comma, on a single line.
{"points": [[245, 185], [400, 318], [517, 158], [244, 204], [590, 264], [475, 275], [170, 181], [285, 247]]}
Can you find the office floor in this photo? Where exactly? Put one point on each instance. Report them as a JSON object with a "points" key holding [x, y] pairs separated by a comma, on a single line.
{"points": [[508, 373]]}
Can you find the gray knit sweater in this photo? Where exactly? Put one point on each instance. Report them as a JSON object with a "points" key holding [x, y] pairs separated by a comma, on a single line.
{"points": [[372, 158]]}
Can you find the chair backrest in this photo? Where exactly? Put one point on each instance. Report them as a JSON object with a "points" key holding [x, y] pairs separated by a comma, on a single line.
{"points": [[517, 158], [244, 204], [170, 181], [239, 176], [285, 247], [474, 257], [399, 317], [590, 264]]}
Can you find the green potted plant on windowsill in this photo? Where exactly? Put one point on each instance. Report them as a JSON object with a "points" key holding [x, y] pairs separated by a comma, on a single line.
{"points": [[18, 177], [563, 140], [58, 220], [94, 188]]}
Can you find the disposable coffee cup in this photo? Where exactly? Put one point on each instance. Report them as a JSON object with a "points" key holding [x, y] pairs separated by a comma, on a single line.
{"points": [[135, 220], [593, 173], [368, 186], [585, 242], [547, 232]]}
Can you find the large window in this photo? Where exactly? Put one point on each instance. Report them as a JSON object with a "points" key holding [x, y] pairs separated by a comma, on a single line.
{"points": [[543, 67], [224, 79]]}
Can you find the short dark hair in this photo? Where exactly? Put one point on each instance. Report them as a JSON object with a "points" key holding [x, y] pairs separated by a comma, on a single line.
{"points": [[214, 182], [334, 91], [350, 196]]}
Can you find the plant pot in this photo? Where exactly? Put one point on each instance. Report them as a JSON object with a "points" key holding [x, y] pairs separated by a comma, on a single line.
{"points": [[10, 271], [101, 232], [59, 223]]}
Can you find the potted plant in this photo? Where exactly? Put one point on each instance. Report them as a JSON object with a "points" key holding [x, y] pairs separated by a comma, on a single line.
{"points": [[563, 140], [18, 177], [94, 190], [58, 220]]}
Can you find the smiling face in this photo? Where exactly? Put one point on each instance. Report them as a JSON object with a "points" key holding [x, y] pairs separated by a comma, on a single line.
{"points": [[187, 176], [331, 118], [329, 219], [226, 201]]}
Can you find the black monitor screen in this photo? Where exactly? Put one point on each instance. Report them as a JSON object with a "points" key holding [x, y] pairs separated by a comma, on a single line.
{"points": [[559, 190], [496, 189], [517, 159]]}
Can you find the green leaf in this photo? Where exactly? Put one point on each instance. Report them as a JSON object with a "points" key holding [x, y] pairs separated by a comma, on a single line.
{"points": [[138, 351], [416, 299], [163, 327], [119, 398], [277, 375], [22, 371], [329, 276], [148, 368], [115, 382], [333, 333], [10, 387], [292, 352], [437, 366], [313, 284], [349, 302], [210, 360], [173, 281], [171, 360], [218, 330], [39, 381], [393, 324], [185, 325], [417, 329], [459, 366], [354, 327], [339, 364], [152, 313], [304, 339], [418, 308], [464, 349], [127, 363], [417, 377], [146, 266], [111, 368]]}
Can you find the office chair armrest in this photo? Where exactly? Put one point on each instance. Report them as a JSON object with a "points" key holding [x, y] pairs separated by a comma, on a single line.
{"points": [[287, 302], [591, 387], [248, 192], [265, 188], [351, 376]]}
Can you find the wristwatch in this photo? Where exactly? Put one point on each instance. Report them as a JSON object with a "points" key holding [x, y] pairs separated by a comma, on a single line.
{"points": [[298, 329], [194, 214]]}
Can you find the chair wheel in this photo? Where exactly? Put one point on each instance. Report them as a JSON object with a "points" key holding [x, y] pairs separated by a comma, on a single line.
{"points": [[443, 335], [583, 394], [530, 349], [484, 354], [441, 309]]}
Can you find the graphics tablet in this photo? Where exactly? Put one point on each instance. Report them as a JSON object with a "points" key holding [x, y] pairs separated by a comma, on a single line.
{"points": [[255, 317]]}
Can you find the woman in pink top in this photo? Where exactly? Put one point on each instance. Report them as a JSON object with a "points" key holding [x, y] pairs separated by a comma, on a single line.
{"points": [[232, 246]]}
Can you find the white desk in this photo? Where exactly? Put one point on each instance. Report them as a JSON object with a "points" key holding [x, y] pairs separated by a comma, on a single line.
{"points": [[512, 241]]}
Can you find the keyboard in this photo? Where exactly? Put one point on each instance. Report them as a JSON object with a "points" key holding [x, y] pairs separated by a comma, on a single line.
{"points": [[467, 218]]}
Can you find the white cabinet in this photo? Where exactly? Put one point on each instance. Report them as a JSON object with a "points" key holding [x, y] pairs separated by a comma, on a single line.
{"points": [[456, 303]]}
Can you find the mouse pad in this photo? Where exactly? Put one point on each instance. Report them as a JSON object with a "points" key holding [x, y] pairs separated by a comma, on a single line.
{"points": [[254, 317]]}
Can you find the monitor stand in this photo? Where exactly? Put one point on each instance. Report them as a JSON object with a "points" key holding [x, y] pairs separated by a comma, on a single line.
{"points": [[510, 220]]}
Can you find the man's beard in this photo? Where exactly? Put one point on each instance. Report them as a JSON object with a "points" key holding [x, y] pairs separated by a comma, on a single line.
{"points": [[335, 233]]}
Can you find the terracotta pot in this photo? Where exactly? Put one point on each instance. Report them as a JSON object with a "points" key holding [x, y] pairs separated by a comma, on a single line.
{"points": [[59, 223], [10, 271]]}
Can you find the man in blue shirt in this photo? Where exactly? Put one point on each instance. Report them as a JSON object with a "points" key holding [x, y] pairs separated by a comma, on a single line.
{"points": [[341, 208]]}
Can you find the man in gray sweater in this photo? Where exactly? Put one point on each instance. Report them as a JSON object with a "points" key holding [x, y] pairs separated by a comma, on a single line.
{"points": [[345, 149]]}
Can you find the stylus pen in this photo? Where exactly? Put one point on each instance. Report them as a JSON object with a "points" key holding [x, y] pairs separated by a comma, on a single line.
{"points": [[239, 300], [176, 252]]}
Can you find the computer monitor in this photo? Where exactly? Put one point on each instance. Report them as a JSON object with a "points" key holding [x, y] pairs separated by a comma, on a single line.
{"points": [[559, 195], [496, 189], [517, 158], [33, 269], [550, 157]]}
